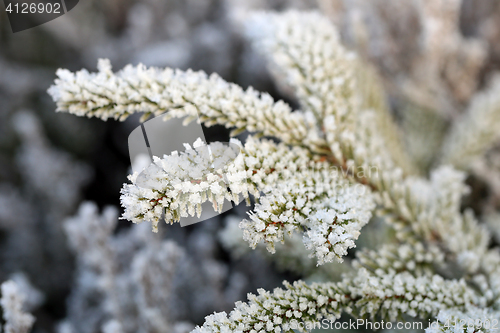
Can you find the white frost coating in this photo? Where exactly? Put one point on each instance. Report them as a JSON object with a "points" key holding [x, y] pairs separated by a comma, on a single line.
{"points": [[294, 187], [387, 294], [176, 93], [306, 49], [331, 83], [307, 184], [16, 320]]}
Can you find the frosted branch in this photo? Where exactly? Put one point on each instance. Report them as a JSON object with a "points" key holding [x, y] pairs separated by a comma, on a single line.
{"points": [[12, 301], [176, 93]]}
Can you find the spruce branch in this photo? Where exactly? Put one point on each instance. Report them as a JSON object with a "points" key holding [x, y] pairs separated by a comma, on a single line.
{"points": [[418, 259], [341, 141], [331, 81], [299, 192], [376, 296], [175, 93]]}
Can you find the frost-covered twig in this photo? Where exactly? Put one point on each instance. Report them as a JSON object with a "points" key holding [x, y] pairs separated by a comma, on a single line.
{"points": [[414, 258], [178, 94], [299, 192], [430, 211], [329, 80], [16, 320], [386, 296], [290, 256], [308, 182], [306, 49]]}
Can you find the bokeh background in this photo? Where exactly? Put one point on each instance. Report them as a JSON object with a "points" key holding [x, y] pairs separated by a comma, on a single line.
{"points": [[60, 176]]}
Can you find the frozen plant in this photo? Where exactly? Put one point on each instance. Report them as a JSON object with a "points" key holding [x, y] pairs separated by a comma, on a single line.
{"points": [[338, 163], [289, 256], [12, 301]]}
